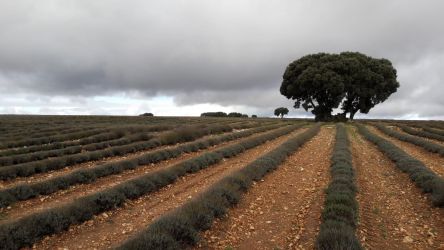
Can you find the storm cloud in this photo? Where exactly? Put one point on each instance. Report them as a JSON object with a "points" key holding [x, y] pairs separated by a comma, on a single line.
{"points": [[223, 53]]}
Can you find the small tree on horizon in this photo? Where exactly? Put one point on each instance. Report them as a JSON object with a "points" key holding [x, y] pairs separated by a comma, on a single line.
{"points": [[281, 112]]}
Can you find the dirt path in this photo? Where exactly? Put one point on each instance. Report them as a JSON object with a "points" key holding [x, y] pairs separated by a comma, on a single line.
{"points": [[86, 165], [26, 207], [394, 214], [113, 227], [431, 160], [283, 210]]}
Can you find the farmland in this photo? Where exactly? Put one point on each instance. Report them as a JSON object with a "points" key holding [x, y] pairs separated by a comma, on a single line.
{"points": [[96, 182]]}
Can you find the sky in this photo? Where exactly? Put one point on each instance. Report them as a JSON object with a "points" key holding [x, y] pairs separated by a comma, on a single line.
{"points": [[185, 57]]}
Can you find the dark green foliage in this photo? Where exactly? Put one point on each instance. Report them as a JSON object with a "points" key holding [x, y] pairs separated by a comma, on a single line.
{"points": [[234, 114], [214, 114], [281, 112], [180, 228], [147, 114], [423, 177], [29, 229], [322, 82], [427, 145], [253, 116], [340, 214], [337, 235], [421, 133]]}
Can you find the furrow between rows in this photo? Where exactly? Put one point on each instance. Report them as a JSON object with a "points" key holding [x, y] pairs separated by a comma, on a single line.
{"points": [[39, 203], [282, 210], [27, 230], [393, 214], [431, 160], [97, 233]]}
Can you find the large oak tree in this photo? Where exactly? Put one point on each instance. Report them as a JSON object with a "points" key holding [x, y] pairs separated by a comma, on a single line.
{"points": [[322, 82]]}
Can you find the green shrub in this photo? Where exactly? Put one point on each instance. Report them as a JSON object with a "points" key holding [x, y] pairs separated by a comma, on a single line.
{"points": [[340, 213]]}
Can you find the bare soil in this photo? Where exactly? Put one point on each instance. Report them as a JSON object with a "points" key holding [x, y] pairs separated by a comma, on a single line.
{"points": [[394, 214], [113, 227], [283, 210]]}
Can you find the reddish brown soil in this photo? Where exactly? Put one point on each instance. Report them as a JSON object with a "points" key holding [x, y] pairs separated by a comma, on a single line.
{"points": [[433, 161], [113, 227], [394, 214], [283, 210], [24, 208]]}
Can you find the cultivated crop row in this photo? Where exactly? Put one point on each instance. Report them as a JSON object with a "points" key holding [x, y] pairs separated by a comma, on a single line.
{"points": [[434, 131], [40, 147], [33, 130], [25, 231], [181, 227], [115, 137], [89, 132], [20, 135], [175, 136], [94, 136], [36, 156], [427, 145], [50, 139], [27, 191], [423, 177], [92, 143], [340, 214], [421, 133]]}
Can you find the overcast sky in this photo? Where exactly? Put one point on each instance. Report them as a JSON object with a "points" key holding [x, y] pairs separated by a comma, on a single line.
{"points": [[186, 57]]}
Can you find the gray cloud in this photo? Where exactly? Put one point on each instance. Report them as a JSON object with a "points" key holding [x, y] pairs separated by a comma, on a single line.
{"points": [[227, 53]]}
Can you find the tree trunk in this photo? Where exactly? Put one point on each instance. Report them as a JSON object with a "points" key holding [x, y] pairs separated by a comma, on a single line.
{"points": [[352, 114]]}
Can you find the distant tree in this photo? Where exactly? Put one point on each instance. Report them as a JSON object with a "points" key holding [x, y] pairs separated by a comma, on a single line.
{"points": [[244, 116], [234, 114], [254, 116], [321, 82], [146, 114], [214, 114], [281, 112]]}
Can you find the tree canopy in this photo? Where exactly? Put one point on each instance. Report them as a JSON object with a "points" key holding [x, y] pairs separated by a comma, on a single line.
{"points": [[214, 114], [223, 114], [281, 112], [235, 114], [322, 82]]}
